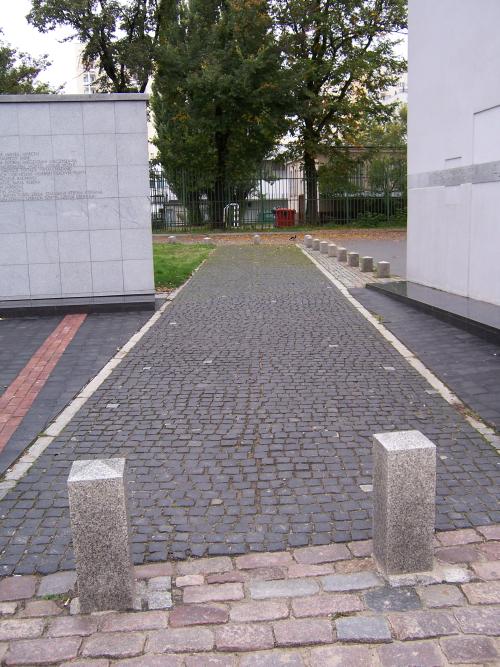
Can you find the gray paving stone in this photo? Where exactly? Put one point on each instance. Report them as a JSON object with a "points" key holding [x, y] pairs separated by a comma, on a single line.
{"points": [[57, 584], [393, 599], [363, 629], [261, 590], [351, 582]]}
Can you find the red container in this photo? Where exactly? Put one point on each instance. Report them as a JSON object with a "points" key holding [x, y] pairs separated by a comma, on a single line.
{"points": [[284, 217]]}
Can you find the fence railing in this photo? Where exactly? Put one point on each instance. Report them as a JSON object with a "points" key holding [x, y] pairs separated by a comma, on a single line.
{"points": [[369, 191]]}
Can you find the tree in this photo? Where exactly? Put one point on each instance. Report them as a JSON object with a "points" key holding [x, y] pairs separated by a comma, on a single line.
{"points": [[19, 71], [119, 37], [219, 99], [340, 56]]}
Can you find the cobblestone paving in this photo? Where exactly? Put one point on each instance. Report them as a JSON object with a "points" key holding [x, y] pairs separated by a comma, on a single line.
{"points": [[469, 365], [307, 607], [246, 417], [94, 344]]}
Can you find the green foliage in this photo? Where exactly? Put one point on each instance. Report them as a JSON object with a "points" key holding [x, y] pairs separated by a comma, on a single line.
{"points": [[340, 58], [219, 98], [119, 37], [369, 220], [19, 71], [174, 263]]}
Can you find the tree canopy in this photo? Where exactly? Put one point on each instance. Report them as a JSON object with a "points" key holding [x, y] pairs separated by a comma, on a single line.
{"points": [[219, 96], [118, 37], [340, 57], [19, 71]]}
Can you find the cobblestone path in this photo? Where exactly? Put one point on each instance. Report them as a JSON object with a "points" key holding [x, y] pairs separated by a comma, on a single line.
{"points": [[246, 417]]}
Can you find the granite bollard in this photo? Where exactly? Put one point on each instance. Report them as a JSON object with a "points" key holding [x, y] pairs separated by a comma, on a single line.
{"points": [[342, 254], [383, 270], [256, 239], [308, 241], [404, 501], [315, 244], [172, 239], [323, 247], [353, 259], [332, 250], [366, 264], [100, 531], [208, 240]]}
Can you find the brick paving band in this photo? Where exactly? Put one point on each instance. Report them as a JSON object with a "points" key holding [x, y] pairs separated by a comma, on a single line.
{"points": [[246, 416], [20, 395], [306, 607]]}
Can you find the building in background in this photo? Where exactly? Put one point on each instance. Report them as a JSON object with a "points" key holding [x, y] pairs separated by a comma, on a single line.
{"points": [[398, 93], [454, 147]]}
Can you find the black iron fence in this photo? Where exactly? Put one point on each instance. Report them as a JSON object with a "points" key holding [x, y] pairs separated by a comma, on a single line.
{"points": [[367, 191]]}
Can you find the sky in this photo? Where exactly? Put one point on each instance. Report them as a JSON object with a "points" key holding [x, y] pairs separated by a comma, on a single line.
{"points": [[24, 37], [19, 34]]}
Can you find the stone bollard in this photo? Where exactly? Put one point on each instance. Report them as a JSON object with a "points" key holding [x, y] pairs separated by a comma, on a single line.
{"points": [[383, 270], [332, 250], [256, 239], [172, 239], [323, 247], [308, 241], [100, 531], [342, 254], [353, 259], [208, 240], [404, 501], [315, 244], [366, 264]]}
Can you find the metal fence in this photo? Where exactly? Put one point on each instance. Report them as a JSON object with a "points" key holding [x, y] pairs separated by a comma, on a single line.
{"points": [[368, 191]]}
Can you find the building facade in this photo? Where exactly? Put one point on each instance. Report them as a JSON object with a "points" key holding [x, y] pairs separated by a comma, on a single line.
{"points": [[454, 147]]}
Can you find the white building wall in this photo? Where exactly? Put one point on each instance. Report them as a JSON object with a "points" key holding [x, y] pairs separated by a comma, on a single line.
{"points": [[454, 147], [74, 197]]}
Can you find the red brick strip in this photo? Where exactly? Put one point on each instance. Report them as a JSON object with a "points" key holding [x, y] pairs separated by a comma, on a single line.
{"points": [[22, 392]]}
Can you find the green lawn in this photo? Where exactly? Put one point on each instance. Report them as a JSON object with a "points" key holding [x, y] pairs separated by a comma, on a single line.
{"points": [[175, 262]]}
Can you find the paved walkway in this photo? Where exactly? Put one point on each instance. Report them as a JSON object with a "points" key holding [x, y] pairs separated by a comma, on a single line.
{"points": [[30, 370], [246, 417], [307, 607], [469, 365]]}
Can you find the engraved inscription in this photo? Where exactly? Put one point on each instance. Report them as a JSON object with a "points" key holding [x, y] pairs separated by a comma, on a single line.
{"points": [[26, 177]]}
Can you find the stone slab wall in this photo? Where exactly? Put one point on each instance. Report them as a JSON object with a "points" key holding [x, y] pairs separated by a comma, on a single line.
{"points": [[454, 147], [74, 197]]}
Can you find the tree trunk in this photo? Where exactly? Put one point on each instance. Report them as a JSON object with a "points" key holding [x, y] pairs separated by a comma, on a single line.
{"points": [[311, 178]]}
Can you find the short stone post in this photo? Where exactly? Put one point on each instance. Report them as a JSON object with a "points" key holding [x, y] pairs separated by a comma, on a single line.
{"points": [[256, 239], [366, 264], [100, 530], [404, 501], [208, 240], [315, 244], [172, 239], [308, 241], [332, 250], [383, 270], [342, 254], [323, 247], [353, 259]]}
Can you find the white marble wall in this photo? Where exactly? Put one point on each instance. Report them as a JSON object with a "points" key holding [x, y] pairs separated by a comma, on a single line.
{"points": [[74, 197], [454, 147]]}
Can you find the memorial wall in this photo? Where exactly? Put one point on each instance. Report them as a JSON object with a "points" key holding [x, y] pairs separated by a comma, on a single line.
{"points": [[454, 147], [75, 222]]}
